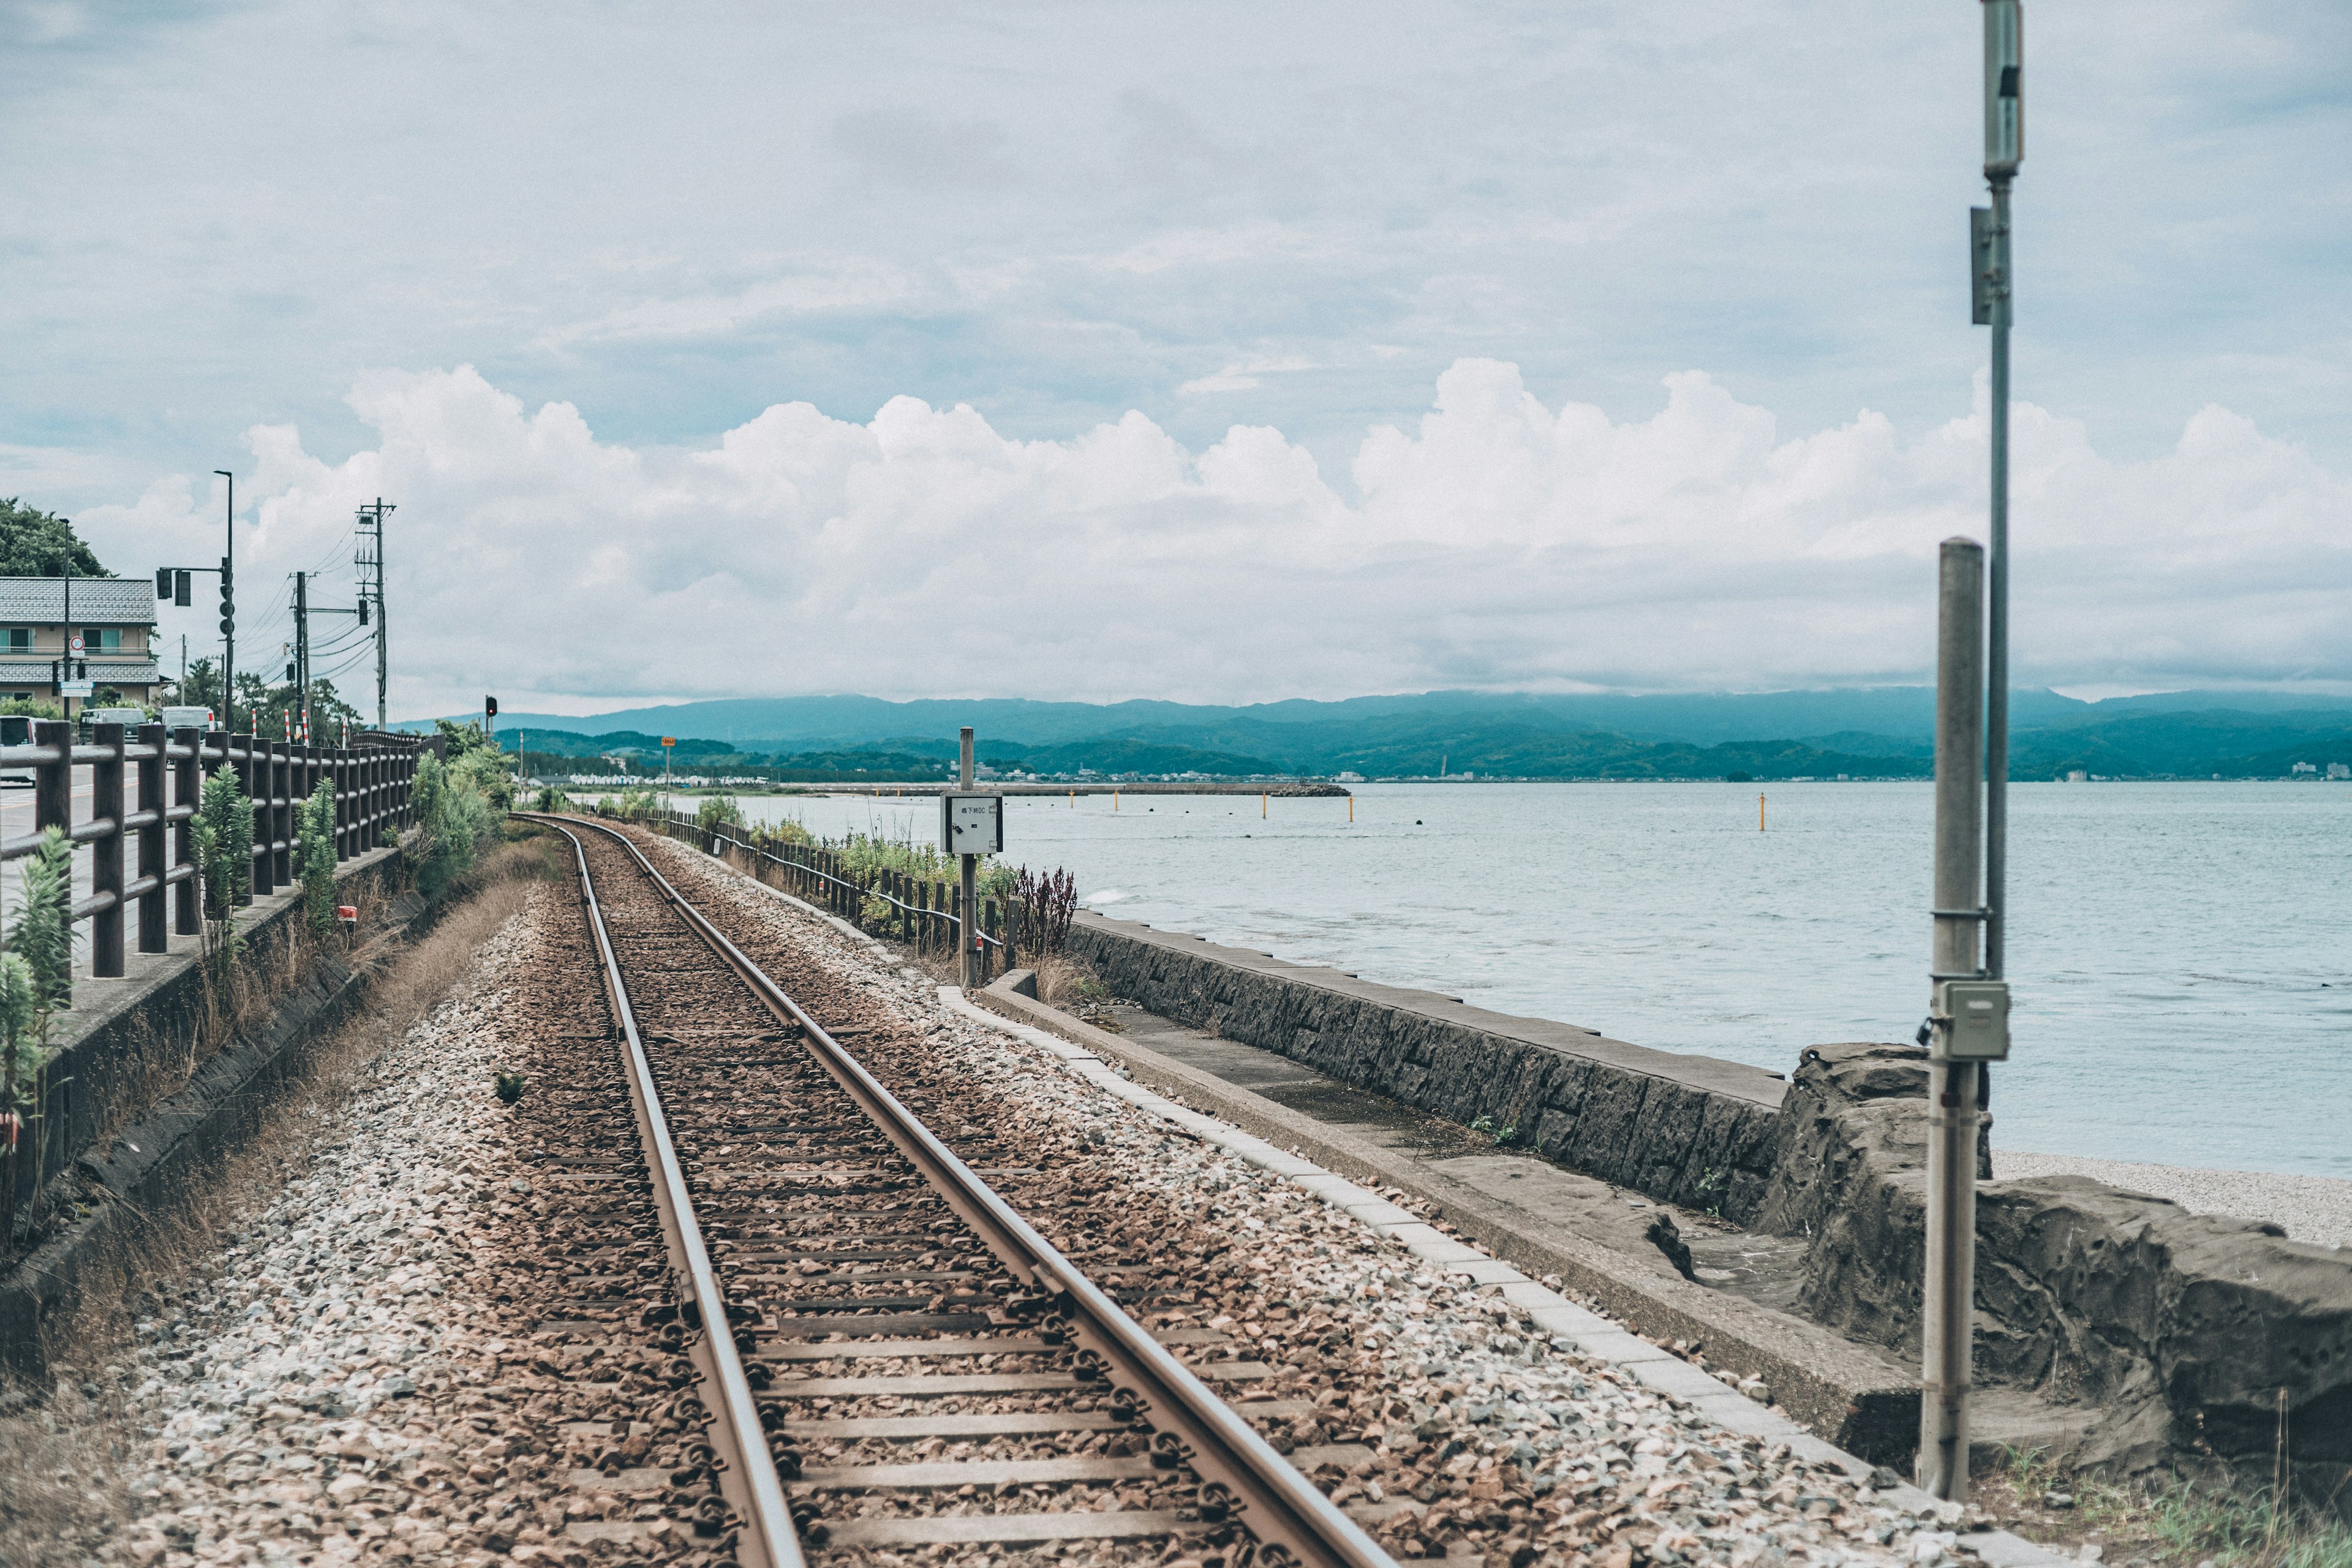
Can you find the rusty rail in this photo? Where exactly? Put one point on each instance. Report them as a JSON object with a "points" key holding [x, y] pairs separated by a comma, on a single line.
{"points": [[1295, 1523]]}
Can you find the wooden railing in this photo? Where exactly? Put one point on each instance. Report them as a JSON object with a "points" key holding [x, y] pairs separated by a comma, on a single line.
{"points": [[371, 789]]}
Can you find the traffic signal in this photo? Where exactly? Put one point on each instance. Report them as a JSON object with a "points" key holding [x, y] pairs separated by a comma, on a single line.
{"points": [[363, 613], [291, 674], [490, 706], [162, 581], [229, 601], [183, 583]]}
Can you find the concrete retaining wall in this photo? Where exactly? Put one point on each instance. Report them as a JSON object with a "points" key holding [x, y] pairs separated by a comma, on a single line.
{"points": [[141, 1123], [126, 1043], [1686, 1128]]}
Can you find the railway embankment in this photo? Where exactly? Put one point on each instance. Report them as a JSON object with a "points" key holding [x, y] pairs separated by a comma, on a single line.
{"points": [[2114, 1325], [158, 1076]]}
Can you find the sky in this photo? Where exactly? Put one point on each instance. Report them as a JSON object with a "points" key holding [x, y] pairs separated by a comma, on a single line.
{"points": [[1221, 352]]}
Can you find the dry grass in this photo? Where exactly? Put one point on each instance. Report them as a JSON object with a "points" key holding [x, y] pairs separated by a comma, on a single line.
{"points": [[66, 1458], [1065, 981], [2167, 1521]]}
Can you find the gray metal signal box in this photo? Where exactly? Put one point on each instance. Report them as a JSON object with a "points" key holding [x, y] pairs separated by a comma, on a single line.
{"points": [[1971, 1022], [971, 824]]}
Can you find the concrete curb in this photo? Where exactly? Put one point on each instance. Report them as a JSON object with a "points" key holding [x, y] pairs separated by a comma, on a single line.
{"points": [[1576, 1327]]}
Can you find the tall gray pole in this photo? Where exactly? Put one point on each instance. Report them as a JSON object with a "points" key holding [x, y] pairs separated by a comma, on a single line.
{"points": [[2004, 107], [967, 911], [302, 650], [1946, 1321], [383, 634], [228, 634]]}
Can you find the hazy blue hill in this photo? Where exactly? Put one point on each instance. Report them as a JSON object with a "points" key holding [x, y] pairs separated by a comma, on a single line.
{"points": [[2184, 743], [771, 722], [1884, 732]]}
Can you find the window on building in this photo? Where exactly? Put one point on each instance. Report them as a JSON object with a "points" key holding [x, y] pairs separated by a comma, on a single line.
{"points": [[15, 639], [101, 640]]}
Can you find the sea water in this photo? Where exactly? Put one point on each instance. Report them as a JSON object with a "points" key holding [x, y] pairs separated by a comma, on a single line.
{"points": [[2178, 952]]}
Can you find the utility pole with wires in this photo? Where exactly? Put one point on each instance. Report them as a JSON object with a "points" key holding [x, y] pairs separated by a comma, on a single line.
{"points": [[369, 558], [300, 672]]}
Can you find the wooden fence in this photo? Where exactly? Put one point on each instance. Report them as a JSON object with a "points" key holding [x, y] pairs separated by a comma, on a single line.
{"points": [[372, 788], [922, 911]]}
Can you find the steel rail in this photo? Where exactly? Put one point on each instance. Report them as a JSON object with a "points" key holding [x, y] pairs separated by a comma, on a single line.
{"points": [[1290, 1517], [749, 1479]]}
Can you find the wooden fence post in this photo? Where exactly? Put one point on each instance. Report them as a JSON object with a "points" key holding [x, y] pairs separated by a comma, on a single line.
{"points": [[106, 854], [154, 936], [53, 781], [187, 790], [283, 771]]}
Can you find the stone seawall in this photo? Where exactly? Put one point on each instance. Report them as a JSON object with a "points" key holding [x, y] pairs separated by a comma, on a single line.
{"points": [[1685, 1128], [2180, 1331], [2162, 1338]]}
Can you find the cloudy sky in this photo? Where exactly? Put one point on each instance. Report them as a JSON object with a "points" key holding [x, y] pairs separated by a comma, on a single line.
{"points": [[1200, 351]]}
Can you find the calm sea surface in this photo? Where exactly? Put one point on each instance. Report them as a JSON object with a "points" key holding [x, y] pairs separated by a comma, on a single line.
{"points": [[2180, 952]]}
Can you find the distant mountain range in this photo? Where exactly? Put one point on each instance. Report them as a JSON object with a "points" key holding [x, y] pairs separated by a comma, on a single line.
{"points": [[1878, 733]]}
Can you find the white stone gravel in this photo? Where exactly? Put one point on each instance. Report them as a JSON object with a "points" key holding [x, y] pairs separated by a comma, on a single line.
{"points": [[277, 1399], [2318, 1209], [1471, 1385]]}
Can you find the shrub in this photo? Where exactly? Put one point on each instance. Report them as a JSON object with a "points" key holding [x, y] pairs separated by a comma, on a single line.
{"points": [[452, 818], [1047, 903], [227, 861], [636, 804], [770, 835], [45, 921], [485, 772], [551, 799], [716, 809], [315, 841]]}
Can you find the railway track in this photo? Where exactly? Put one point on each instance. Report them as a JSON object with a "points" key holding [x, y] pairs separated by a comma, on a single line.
{"points": [[889, 1358]]}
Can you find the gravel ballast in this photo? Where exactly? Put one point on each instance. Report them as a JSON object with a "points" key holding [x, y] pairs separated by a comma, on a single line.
{"points": [[1487, 1437], [318, 1396]]}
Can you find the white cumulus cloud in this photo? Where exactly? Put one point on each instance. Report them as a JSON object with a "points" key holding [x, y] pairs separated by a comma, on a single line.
{"points": [[1498, 542]]}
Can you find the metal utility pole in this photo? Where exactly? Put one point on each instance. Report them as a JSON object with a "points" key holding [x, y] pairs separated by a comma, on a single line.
{"points": [[1968, 1020], [1951, 1085], [302, 649], [1990, 299], [228, 610], [369, 561]]}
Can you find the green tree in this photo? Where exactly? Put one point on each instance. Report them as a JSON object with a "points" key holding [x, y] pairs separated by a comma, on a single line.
{"points": [[35, 544], [461, 738]]}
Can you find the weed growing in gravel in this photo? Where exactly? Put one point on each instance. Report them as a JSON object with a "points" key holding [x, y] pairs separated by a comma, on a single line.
{"points": [[509, 1086]]}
